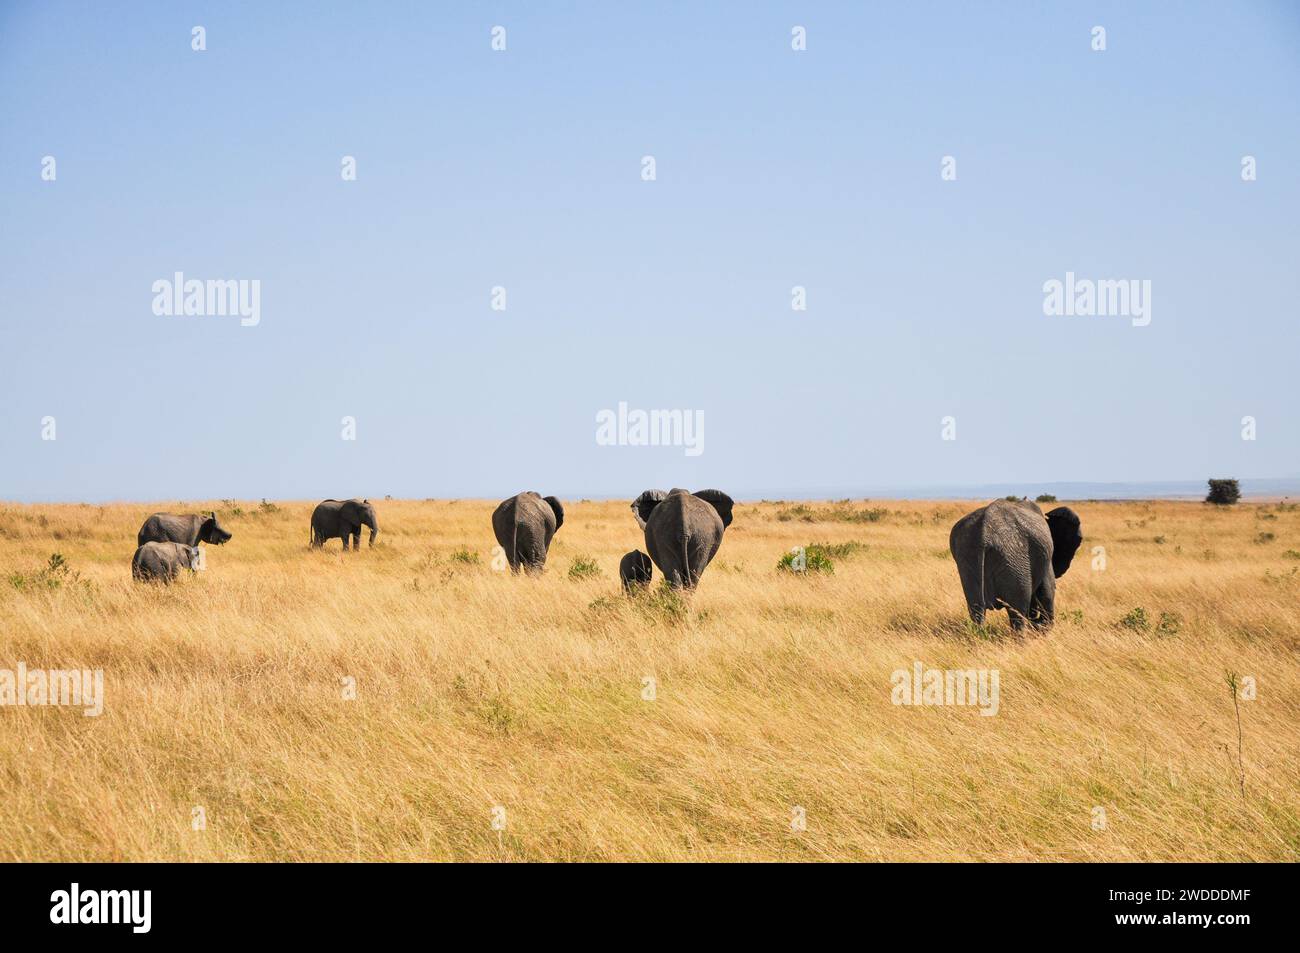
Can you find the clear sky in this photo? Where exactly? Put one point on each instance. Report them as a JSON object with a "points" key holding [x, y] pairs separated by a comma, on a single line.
{"points": [[523, 169]]}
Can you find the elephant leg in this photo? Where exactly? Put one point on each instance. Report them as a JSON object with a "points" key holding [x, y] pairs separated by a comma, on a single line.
{"points": [[345, 540], [356, 541], [970, 572], [1043, 612]]}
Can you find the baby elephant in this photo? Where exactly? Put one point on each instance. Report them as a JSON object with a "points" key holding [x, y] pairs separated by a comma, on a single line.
{"points": [[635, 570], [163, 562], [190, 530]]}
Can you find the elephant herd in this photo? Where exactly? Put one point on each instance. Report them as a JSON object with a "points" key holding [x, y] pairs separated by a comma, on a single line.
{"points": [[1008, 553]]}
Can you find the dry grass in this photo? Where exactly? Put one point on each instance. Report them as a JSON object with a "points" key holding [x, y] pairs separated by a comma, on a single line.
{"points": [[475, 689]]}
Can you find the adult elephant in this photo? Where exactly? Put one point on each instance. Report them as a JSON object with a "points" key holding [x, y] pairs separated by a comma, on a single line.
{"points": [[341, 519], [187, 530], [524, 526], [162, 562], [1009, 556], [682, 530]]}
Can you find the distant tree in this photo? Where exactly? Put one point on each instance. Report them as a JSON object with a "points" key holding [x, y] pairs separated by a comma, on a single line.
{"points": [[1045, 498], [1223, 492]]}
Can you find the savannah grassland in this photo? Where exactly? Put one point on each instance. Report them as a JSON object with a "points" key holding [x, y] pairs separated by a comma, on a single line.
{"points": [[475, 690]]}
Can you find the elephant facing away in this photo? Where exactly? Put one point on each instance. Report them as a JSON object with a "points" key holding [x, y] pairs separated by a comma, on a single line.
{"points": [[682, 530], [343, 519], [524, 526], [1009, 556], [190, 530], [162, 562], [636, 570]]}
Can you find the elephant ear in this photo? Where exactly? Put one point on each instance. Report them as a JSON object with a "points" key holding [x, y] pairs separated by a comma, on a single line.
{"points": [[1063, 524], [720, 502], [558, 508], [206, 527], [351, 512], [644, 505]]}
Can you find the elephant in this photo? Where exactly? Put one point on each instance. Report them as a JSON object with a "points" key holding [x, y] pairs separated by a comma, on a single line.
{"points": [[682, 530], [163, 562], [343, 518], [524, 526], [1009, 556], [189, 530], [635, 570]]}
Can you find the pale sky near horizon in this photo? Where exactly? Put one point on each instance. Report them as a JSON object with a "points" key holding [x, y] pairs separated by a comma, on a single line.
{"points": [[523, 169]]}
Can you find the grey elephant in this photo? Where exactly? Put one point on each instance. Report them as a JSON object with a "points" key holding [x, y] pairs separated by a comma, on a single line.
{"points": [[524, 526], [343, 519], [636, 571], [190, 530], [682, 530], [163, 562], [1009, 556]]}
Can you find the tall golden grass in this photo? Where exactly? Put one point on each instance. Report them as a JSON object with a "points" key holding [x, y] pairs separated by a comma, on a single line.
{"points": [[477, 690]]}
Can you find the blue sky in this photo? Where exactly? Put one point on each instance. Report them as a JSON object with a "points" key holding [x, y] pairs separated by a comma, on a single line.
{"points": [[522, 169]]}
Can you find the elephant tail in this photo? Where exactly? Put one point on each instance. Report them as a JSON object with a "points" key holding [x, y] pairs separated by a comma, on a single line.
{"points": [[689, 579], [514, 543]]}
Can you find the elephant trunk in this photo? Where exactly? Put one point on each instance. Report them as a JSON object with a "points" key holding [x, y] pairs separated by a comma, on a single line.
{"points": [[374, 530]]}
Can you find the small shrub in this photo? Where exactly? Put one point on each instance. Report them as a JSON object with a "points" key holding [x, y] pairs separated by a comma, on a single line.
{"points": [[1170, 623], [1223, 492], [1012, 498], [583, 568], [837, 514], [665, 604], [464, 555], [1265, 537], [1044, 498], [1159, 541], [814, 560], [56, 574], [1136, 620], [266, 509], [1292, 554]]}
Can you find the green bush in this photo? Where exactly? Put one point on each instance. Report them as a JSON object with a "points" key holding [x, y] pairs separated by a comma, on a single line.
{"points": [[583, 568], [465, 555], [1044, 498], [815, 560], [1223, 492], [1136, 620]]}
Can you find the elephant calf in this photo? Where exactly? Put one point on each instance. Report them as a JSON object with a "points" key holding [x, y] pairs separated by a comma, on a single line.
{"points": [[189, 530], [524, 526], [635, 570], [163, 562], [343, 519], [1009, 556], [682, 530]]}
